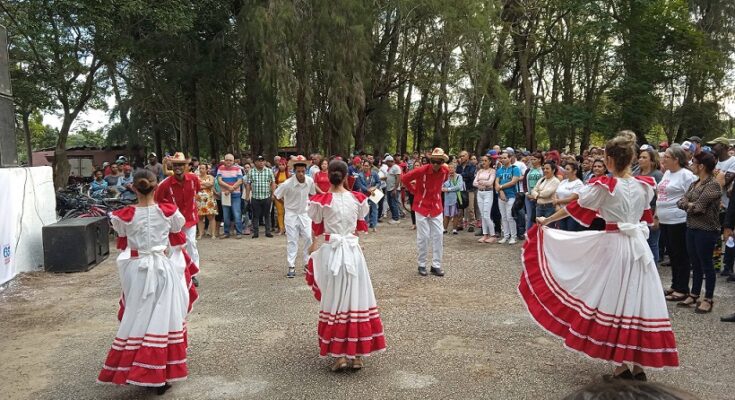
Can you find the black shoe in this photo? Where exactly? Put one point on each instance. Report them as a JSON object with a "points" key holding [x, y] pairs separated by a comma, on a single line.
{"points": [[730, 278], [291, 273], [437, 272], [422, 271], [626, 376], [471, 229], [255, 236], [195, 281], [641, 376], [270, 235], [162, 389], [729, 318]]}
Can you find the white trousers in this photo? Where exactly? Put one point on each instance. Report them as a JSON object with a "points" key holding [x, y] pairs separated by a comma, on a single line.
{"points": [[506, 214], [430, 229], [298, 226], [485, 205], [191, 244]]}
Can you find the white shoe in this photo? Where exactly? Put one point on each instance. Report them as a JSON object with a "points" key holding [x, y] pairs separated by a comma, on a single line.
{"points": [[503, 240], [512, 241], [394, 222]]}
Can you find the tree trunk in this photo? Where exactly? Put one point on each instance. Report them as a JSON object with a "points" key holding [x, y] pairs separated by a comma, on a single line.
{"points": [[27, 132], [61, 165], [406, 113]]}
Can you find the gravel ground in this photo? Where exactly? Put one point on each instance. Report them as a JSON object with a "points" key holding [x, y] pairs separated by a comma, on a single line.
{"points": [[253, 332]]}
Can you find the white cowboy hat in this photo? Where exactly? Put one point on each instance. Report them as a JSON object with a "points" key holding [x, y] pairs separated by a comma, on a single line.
{"points": [[298, 160]]}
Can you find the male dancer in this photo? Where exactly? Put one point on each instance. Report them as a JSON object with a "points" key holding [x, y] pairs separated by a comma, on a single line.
{"points": [[180, 189], [295, 192], [426, 183]]}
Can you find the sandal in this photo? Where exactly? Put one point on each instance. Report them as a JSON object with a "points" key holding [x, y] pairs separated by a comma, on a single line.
{"points": [[676, 296], [701, 310], [357, 363], [688, 302], [668, 292], [339, 364]]}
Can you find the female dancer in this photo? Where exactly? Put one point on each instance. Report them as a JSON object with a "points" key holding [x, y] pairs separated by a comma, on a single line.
{"points": [[605, 301], [150, 346], [349, 322]]}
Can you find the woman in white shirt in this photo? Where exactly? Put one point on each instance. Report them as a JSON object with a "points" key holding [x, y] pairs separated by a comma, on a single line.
{"points": [[484, 181], [568, 191], [672, 220]]}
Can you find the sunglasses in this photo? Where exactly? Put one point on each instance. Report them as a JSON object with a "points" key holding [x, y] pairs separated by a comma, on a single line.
{"points": [[437, 162]]}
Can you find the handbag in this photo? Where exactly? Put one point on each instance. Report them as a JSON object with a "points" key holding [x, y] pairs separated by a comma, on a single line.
{"points": [[463, 199]]}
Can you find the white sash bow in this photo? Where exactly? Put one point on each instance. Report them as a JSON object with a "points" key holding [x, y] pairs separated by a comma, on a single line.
{"points": [[639, 233], [148, 262], [343, 253]]}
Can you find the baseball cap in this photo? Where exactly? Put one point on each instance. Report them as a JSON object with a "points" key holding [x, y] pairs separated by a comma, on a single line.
{"points": [[388, 158], [688, 146], [720, 140], [152, 154], [259, 158], [510, 151], [492, 153], [696, 139], [106, 163]]}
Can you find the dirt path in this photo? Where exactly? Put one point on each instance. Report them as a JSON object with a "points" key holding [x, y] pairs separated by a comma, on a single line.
{"points": [[253, 332]]}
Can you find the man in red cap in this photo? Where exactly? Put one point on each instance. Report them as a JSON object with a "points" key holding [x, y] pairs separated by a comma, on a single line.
{"points": [[426, 185], [180, 189]]}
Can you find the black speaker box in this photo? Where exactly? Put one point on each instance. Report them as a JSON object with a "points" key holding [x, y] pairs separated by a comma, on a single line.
{"points": [[75, 244]]}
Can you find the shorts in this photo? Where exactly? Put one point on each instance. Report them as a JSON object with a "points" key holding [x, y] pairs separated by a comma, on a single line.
{"points": [[451, 211]]}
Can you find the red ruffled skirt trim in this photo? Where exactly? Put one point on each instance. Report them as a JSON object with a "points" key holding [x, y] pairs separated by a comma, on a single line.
{"points": [[152, 360], [350, 334], [619, 339]]}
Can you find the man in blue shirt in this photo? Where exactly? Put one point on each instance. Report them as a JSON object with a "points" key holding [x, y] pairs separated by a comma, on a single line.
{"points": [[507, 177]]}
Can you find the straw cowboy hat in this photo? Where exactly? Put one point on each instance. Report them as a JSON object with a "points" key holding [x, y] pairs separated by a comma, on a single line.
{"points": [[298, 160], [179, 158], [439, 153]]}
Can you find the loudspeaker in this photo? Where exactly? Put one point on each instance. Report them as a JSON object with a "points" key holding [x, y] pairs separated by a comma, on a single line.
{"points": [[75, 244]]}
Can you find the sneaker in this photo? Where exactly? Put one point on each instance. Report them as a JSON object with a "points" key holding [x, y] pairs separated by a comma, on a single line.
{"points": [[270, 235], [437, 271], [503, 240], [471, 229], [247, 232], [225, 236], [394, 222], [238, 236], [512, 241], [291, 273], [422, 271], [454, 232], [195, 281]]}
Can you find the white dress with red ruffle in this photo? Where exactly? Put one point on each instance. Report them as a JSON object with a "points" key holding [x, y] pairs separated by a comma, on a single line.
{"points": [[599, 291], [155, 273], [349, 321]]}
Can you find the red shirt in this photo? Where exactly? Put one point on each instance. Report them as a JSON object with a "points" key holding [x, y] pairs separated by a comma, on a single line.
{"points": [[426, 186], [182, 195], [321, 180]]}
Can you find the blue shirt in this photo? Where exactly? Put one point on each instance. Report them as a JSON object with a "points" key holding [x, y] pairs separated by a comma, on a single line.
{"points": [[505, 175]]}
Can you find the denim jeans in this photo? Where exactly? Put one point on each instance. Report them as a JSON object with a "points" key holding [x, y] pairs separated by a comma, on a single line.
{"points": [[393, 204], [700, 245], [530, 212], [654, 235], [521, 221], [245, 214], [569, 224], [544, 210], [372, 217], [233, 213]]}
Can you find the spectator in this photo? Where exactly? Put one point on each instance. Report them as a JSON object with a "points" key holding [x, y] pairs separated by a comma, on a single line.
{"points": [[125, 184], [321, 178], [230, 180], [508, 176], [586, 169], [366, 183], [648, 163], [484, 182], [154, 166], [672, 220], [598, 168], [206, 205], [262, 184], [533, 175], [98, 188], [724, 175], [281, 176], [702, 205], [467, 169], [392, 186], [544, 191], [568, 191], [451, 188]]}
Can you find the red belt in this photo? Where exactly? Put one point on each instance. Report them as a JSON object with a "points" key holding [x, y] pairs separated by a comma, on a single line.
{"points": [[134, 253], [612, 227]]}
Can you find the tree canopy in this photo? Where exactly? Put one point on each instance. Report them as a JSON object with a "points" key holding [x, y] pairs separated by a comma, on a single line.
{"points": [[247, 76]]}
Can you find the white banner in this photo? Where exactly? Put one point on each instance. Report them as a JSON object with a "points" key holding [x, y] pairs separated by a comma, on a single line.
{"points": [[28, 203]]}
